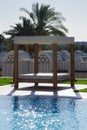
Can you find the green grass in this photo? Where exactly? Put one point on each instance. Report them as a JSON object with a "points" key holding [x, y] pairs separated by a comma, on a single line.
{"points": [[83, 90], [78, 82], [8, 80], [84, 82], [5, 81]]}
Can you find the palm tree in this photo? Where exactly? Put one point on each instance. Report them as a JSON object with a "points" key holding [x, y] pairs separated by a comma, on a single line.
{"points": [[46, 20], [24, 29], [1, 42], [43, 20], [1, 38]]}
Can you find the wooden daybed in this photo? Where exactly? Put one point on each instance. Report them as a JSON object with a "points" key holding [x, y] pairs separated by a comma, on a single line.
{"points": [[37, 77]]}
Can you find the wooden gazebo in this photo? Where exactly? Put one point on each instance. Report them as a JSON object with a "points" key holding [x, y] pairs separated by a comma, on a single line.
{"points": [[37, 77]]}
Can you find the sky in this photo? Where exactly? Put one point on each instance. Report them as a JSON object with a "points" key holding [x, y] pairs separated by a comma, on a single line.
{"points": [[74, 11]]}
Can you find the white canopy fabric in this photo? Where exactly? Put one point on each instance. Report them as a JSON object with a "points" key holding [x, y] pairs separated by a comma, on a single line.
{"points": [[21, 40]]}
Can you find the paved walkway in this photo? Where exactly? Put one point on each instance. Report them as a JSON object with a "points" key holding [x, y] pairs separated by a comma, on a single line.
{"points": [[63, 90]]}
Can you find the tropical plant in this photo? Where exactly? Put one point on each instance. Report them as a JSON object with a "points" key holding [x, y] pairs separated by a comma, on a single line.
{"points": [[1, 42], [46, 20], [24, 29], [42, 20], [1, 38]]}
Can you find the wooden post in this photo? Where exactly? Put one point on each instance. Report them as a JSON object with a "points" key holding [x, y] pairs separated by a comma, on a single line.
{"points": [[16, 66], [72, 73], [36, 61], [54, 46]]}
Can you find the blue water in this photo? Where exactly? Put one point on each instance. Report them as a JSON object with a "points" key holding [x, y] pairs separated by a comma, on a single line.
{"points": [[42, 113]]}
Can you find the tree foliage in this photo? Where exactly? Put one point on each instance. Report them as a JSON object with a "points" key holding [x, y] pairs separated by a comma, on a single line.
{"points": [[24, 29], [1, 38], [42, 20], [46, 20]]}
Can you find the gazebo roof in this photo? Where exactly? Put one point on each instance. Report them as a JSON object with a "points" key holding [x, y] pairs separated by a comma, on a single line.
{"points": [[21, 40]]}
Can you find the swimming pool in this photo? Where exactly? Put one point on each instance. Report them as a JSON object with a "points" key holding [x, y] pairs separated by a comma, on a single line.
{"points": [[42, 113]]}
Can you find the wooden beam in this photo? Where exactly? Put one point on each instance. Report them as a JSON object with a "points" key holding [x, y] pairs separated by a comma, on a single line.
{"points": [[72, 73], [54, 46], [16, 66], [36, 61]]}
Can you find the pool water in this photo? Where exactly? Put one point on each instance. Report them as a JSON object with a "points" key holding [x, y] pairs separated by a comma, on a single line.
{"points": [[42, 113]]}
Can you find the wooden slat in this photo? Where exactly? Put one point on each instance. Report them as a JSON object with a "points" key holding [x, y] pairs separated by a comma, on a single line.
{"points": [[54, 46], [36, 61], [41, 80], [34, 80], [72, 73], [16, 66], [36, 58]]}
